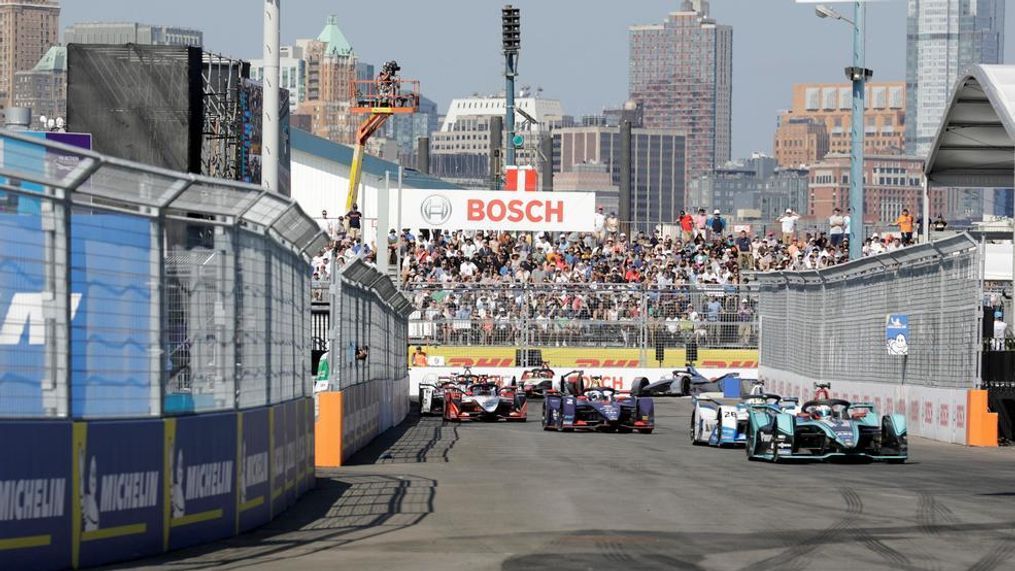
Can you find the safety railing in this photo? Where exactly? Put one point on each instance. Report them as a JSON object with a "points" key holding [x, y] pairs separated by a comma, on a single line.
{"points": [[132, 291]]}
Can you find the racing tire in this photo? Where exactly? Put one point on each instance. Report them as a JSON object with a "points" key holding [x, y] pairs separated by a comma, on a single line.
{"points": [[896, 461], [685, 386], [694, 430], [646, 430], [638, 386], [751, 445], [624, 430]]}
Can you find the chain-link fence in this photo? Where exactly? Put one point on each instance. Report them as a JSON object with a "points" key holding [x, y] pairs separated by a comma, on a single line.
{"points": [[132, 291], [368, 331], [833, 324], [583, 315]]}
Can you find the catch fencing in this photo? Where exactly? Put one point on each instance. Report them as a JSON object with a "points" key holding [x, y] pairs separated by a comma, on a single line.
{"points": [[831, 324], [130, 291], [583, 315]]}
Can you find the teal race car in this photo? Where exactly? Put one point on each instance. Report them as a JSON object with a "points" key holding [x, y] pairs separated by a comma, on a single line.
{"points": [[825, 429]]}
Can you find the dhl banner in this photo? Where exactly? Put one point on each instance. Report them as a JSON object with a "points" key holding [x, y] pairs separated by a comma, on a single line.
{"points": [[585, 357]]}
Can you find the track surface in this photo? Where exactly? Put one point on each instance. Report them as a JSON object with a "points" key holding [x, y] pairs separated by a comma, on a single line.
{"points": [[430, 495]]}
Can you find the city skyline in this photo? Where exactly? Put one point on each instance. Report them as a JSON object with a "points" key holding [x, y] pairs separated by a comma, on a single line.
{"points": [[590, 72]]}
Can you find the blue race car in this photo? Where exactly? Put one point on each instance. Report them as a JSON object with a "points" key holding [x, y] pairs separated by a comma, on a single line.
{"points": [[826, 428], [596, 408]]}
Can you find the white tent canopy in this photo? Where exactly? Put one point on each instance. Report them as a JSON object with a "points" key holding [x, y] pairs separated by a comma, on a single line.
{"points": [[975, 145]]}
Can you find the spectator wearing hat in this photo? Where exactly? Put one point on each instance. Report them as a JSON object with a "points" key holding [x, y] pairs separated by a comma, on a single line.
{"points": [[788, 221], [686, 223], [716, 225]]}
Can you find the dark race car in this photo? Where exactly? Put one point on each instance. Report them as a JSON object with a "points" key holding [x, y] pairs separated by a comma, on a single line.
{"points": [[597, 408], [485, 401], [681, 382], [537, 382]]}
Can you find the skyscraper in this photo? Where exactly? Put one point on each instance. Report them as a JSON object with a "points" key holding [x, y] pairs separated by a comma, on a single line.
{"points": [[943, 37], [131, 33], [681, 72], [28, 28], [331, 67]]}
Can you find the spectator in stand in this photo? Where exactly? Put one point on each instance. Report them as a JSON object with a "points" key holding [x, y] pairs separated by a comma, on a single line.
{"points": [[612, 224], [905, 224], [600, 224], [354, 219], [716, 225], [836, 227], [686, 223], [700, 220], [745, 256], [940, 224], [788, 221]]}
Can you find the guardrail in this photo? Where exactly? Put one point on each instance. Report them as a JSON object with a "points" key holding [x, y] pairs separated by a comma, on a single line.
{"points": [[133, 297]]}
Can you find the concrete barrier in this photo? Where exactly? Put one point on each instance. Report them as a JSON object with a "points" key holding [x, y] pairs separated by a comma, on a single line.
{"points": [[86, 493], [616, 377], [958, 416], [348, 419]]}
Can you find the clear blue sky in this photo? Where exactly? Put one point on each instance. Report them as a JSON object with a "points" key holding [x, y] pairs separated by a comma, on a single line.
{"points": [[575, 49]]}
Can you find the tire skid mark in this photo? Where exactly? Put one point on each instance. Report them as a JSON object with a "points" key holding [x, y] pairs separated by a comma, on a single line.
{"points": [[795, 556], [931, 513], [994, 558]]}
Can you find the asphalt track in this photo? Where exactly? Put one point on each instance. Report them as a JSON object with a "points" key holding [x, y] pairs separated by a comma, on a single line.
{"points": [[429, 495]]}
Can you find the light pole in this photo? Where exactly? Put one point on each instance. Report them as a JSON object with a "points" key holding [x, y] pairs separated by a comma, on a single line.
{"points": [[858, 74], [269, 113], [512, 42]]}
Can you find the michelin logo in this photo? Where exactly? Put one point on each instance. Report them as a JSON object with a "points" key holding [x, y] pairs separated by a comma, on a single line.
{"points": [[27, 310], [118, 492], [198, 481], [36, 498], [254, 471]]}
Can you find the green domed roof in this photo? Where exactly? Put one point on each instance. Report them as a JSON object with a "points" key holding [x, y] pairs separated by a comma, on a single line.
{"points": [[54, 60], [335, 39]]}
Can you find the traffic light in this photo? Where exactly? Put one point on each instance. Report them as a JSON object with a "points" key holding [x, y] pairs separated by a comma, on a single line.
{"points": [[511, 26]]}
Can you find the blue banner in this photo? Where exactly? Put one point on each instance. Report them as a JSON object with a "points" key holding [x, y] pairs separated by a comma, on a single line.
{"points": [[35, 495], [22, 321], [253, 487], [117, 492], [292, 438], [201, 477], [276, 421], [112, 333], [897, 333]]}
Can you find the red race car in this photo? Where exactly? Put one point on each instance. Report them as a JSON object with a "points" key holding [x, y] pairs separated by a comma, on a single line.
{"points": [[485, 401]]}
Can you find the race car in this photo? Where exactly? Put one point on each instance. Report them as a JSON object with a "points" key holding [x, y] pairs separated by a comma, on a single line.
{"points": [[431, 395], [536, 382], [718, 421], [575, 407], [681, 382], [485, 401], [826, 428]]}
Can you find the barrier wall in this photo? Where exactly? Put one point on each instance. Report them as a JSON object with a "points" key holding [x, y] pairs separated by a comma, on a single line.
{"points": [[583, 357], [87, 493], [618, 378], [349, 419]]}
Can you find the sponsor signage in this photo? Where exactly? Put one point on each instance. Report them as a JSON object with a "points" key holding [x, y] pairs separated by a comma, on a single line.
{"points": [[200, 465], [498, 210], [253, 470], [582, 358], [897, 334], [277, 440], [117, 492], [35, 495]]}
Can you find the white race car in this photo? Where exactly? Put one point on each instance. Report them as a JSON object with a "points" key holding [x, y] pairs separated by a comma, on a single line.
{"points": [[718, 421], [431, 394]]}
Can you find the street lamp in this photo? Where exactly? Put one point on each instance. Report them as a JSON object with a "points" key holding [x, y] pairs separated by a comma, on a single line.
{"points": [[858, 74]]}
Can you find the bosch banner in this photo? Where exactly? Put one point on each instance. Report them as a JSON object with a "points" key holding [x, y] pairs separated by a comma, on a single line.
{"points": [[200, 458], [35, 490], [253, 470], [117, 491], [497, 210]]}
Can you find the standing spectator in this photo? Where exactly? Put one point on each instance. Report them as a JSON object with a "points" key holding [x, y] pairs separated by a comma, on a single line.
{"points": [[612, 224], [354, 218], [745, 259], [686, 222], [940, 224], [699, 223], [788, 221], [329, 226], [393, 246], [836, 227], [745, 315], [419, 357], [716, 224], [905, 224], [600, 223]]}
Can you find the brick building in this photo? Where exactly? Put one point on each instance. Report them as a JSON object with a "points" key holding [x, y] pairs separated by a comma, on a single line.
{"points": [[28, 28]]}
